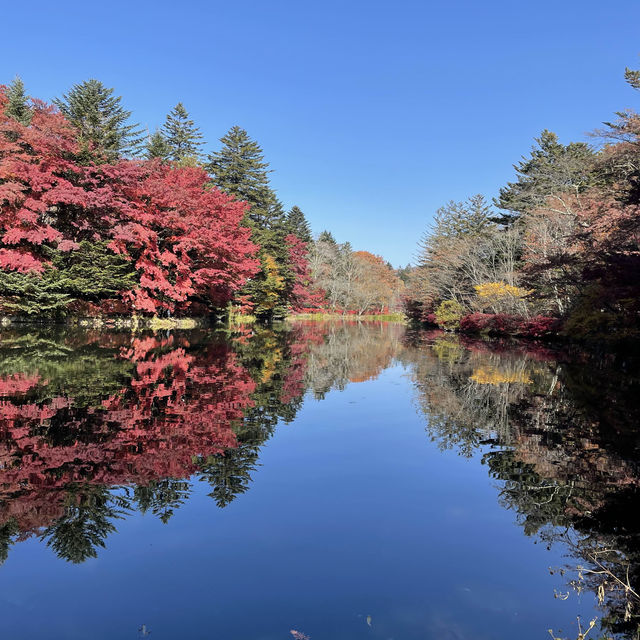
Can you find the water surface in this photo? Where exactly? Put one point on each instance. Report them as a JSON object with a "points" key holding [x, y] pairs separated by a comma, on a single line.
{"points": [[342, 481]]}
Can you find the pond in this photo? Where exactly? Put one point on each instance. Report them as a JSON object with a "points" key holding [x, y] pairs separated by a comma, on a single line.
{"points": [[314, 480]]}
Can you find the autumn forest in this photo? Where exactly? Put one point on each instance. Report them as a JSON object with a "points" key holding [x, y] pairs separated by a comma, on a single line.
{"points": [[102, 219], [99, 220]]}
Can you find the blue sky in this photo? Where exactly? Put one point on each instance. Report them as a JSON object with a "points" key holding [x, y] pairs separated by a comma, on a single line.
{"points": [[372, 114]]}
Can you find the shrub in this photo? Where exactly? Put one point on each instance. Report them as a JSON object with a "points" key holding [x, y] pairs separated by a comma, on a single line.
{"points": [[475, 322], [502, 323], [448, 314], [539, 326]]}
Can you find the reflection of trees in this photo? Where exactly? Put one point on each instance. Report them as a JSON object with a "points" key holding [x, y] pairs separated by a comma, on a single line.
{"points": [[467, 393], [229, 473], [84, 412], [560, 435], [162, 497], [351, 352], [96, 424], [86, 522]]}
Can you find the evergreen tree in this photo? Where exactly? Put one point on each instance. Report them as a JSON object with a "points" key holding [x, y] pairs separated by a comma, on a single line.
{"points": [[181, 135], [9, 531], [632, 76], [92, 272], [297, 224], [551, 168], [85, 525], [157, 147], [239, 169], [17, 102], [101, 120], [327, 236], [229, 473], [162, 497], [458, 219]]}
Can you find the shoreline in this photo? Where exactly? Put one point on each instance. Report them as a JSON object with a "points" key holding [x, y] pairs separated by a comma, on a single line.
{"points": [[155, 323]]}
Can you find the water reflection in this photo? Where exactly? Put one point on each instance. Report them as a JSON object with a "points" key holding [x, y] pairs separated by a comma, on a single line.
{"points": [[82, 413], [560, 432], [95, 426]]}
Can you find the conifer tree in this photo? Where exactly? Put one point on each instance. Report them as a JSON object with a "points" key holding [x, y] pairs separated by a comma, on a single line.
{"points": [[240, 170], [550, 169], [157, 147], [91, 272], [327, 236], [17, 105], [632, 76], [458, 219], [102, 122], [297, 224], [181, 134]]}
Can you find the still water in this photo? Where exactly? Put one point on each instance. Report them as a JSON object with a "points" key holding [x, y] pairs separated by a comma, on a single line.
{"points": [[341, 481]]}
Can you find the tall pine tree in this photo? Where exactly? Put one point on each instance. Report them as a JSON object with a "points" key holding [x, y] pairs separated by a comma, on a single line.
{"points": [[297, 224], [182, 136], [17, 102], [102, 122], [240, 170], [550, 169], [327, 236]]}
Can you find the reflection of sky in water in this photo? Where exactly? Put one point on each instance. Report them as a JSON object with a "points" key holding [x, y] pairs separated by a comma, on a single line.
{"points": [[355, 525]]}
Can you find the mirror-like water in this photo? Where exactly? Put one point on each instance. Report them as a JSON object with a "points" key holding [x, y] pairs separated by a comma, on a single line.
{"points": [[341, 481]]}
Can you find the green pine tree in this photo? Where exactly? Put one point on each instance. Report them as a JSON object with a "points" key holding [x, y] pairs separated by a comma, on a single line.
{"points": [[240, 170], [102, 122], [162, 497], [17, 102], [182, 136], [551, 168], [92, 272], [458, 219], [297, 224], [632, 76], [157, 147], [327, 236], [87, 522], [9, 531]]}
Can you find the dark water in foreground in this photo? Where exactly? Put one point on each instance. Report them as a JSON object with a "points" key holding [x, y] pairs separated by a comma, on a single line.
{"points": [[342, 481]]}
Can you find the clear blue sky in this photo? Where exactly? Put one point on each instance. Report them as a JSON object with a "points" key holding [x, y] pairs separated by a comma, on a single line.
{"points": [[372, 114]]}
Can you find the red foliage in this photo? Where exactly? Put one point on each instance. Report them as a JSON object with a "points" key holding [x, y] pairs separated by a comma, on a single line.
{"points": [[37, 176], [304, 296], [186, 240], [177, 406], [505, 324]]}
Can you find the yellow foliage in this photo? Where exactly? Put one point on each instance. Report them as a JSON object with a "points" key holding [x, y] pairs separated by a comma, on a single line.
{"points": [[501, 290], [448, 349], [271, 362], [493, 375], [159, 324], [273, 283]]}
